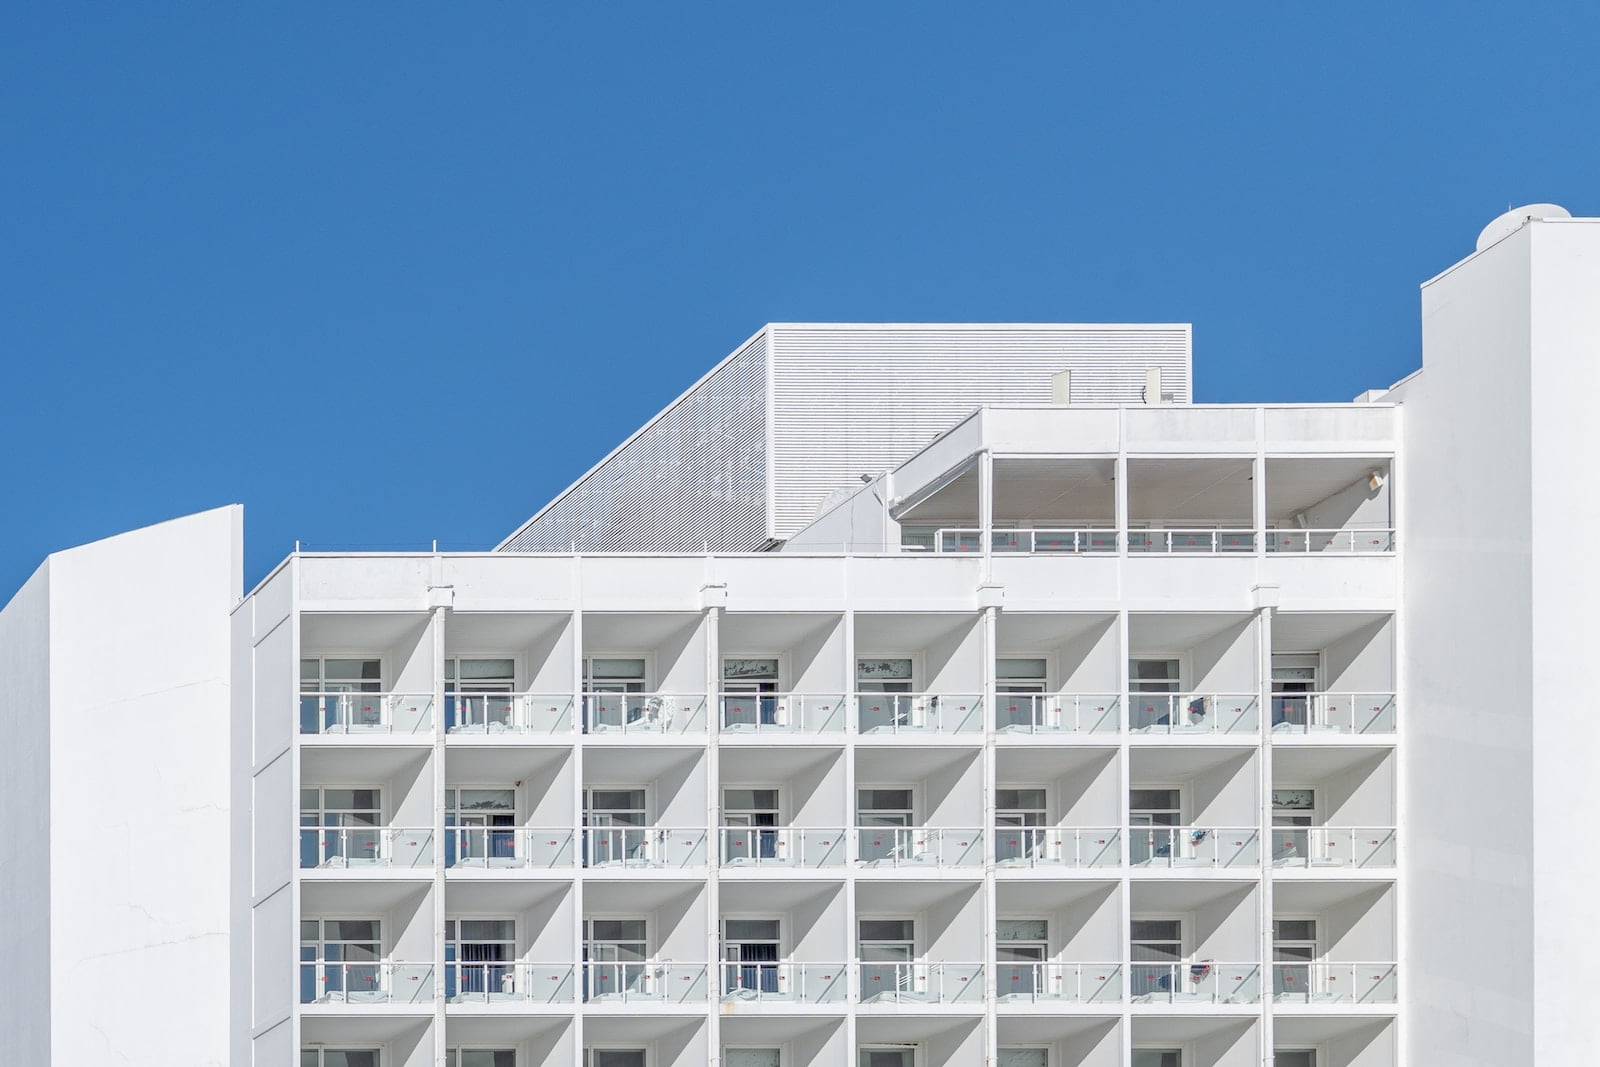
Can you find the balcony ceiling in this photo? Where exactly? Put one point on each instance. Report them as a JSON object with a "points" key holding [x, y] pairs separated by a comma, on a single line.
{"points": [[882, 633], [470, 632], [1032, 633], [1154, 897], [1310, 632], [623, 766], [1163, 764], [1315, 763], [352, 896], [355, 1029], [1311, 898], [1151, 634], [481, 1030], [889, 766], [319, 766], [753, 633], [1021, 897], [481, 764], [779, 763], [633, 896], [1296, 484], [1290, 1032], [1189, 490], [904, 897], [1027, 1031], [1024, 765], [364, 632], [500, 897], [1159, 1030], [773, 1028], [635, 631], [767, 896]]}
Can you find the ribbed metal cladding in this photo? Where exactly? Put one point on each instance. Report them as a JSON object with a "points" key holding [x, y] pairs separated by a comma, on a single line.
{"points": [[857, 399], [694, 475]]}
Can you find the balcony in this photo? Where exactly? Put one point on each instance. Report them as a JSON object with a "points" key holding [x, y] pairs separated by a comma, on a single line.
{"points": [[784, 846], [366, 848], [1071, 983], [1335, 983], [1194, 847], [333, 982], [1195, 983], [497, 848], [918, 713], [1194, 713], [781, 713], [510, 983], [1057, 846], [644, 713], [366, 713], [1333, 713], [508, 713], [1042, 713], [1165, 541], [919, 846], [648, 847], [1333, 847], [920, 983], [785, 983], [648, 982]]}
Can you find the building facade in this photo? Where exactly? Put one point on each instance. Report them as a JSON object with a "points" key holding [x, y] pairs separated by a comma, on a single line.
{"points": [[1093, 728]]}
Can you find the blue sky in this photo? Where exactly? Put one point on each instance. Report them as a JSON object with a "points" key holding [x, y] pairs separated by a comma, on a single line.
{"points": [[387, 272]]}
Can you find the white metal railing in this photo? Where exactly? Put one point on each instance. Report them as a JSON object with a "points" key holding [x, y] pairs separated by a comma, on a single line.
{"points": [[1041, 713], [919, 713], [784, 983], [1354, 541], [659, 982], [1200, 982], [919, 846], [1057, 846], [647, 713], [330, 982], [1079, 983], [1194, 846], [784, 846], [782, 712], [643, 846], [1202, 541], [499, 713], [508, 847], [366, 713], [1335, 983], [1194, 713], [1340, 713], [365, 847], [491, 983], [919, 983], [1060, 541], [1333, 846]]}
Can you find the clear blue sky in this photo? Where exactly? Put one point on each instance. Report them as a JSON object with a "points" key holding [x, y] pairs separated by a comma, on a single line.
{"points": [[386, 272]]}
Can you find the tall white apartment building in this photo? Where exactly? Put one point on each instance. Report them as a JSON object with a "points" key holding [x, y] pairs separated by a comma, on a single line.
{"points": [[901, 696]]}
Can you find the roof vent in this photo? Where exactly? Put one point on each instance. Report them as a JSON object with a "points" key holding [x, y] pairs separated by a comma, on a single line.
{"points": [[1513, 220]]}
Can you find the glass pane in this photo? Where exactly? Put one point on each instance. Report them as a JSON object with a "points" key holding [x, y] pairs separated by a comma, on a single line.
{"points": [[750, 799], [1153, 800], [750, 930], [499, 670], [1151, 1057], [488, 930], [350, 670], [734, 670], [350, 1058], [878, 1057], [1021, 929], [1019, 668], [616, 668], [308, 1058], [351, 799], [1024, 1057], [1153, 670], [308, 673], [885, 799], [1294, 799], [618, 929], [617, 1057], [1157, 929], [883, 669], [616, 800], [1019, 799], [886, 929], [487, 800], [352, 929], [1294, 930]]}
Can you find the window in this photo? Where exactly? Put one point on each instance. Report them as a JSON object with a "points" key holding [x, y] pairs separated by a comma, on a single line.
{"points": [[1155, 948], [1294, 1057], [614, 694], [614, 821], [339, 960], [879, 1056], [327, 694], [478, 956], [885, 818], [340, 1057], [481, 826], [885, 701], [1293, 811], [750, 949], [469, 685], [749, 688], [338, 827], [614, 953], [1153, 684], [886, 948], [1019, 816], [1157, 1057], [1024, 1057], [1024, 680], [613, 675], [1294, 679], [751, 1057], [750, 810], [1294, 948], [614, 1057], [1155, 809], [883, 675], [482, 1057], [1021, 948]]}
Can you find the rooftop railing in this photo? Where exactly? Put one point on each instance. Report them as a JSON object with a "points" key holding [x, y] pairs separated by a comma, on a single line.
{"points": [[1333, 846], [1194, 983], [919, 846], [508, 847], [1057, 846], [333, 982], [1335, 983], [1054, 713], [644, 713], [366, 713], [782, 713], [1194, 846], [919, 713], [1073, 983], [365, 847], [1194, 713], [1333, 713], [784, 846]]}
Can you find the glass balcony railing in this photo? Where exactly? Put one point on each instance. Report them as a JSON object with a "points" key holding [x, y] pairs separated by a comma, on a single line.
{"points": [[1193, 846], [1219, 540], [510, 983], [1073, 983], [1194, 983], [1335, 983], [1333, 713], [487, 847], [1055, 713], [784, 846], [333, 982], [650, 982], [920, 983], [784, 983], [782, 713], [1057, 846], [644, 713], [1331, 542], [503, 713], [1207, 542], [1333, 846], [643, 846], [919, 846], [366, 713], [1194, 713], [365, 847], [919, 713]]}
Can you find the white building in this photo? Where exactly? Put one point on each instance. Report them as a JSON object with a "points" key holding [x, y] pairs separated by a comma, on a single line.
{"points": [[1083, 734]]}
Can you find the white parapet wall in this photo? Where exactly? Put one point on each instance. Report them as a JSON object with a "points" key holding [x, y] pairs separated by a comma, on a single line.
{"points": [[114, 682]]}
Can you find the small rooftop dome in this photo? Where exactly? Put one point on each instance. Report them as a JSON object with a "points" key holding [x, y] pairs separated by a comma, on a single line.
{"points": [[1509, 223]]}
